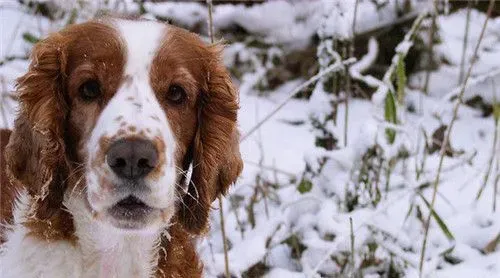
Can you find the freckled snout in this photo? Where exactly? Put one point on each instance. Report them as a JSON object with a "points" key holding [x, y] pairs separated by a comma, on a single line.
{"points": [[132, 159]]}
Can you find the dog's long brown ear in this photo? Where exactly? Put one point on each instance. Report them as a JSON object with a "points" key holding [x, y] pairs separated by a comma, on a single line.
{"points": [[216, 156], [35, 155]]}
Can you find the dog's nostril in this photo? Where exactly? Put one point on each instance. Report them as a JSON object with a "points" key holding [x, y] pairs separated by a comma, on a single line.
{"points": [[119, 162], [132, 159], [143, 163]]}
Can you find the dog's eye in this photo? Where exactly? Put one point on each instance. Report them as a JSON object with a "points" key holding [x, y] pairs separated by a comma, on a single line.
{"points": [[176, 94], [90, 90]]}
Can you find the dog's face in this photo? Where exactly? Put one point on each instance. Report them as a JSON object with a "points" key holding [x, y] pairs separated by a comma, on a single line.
{"points": [[139, 103]]}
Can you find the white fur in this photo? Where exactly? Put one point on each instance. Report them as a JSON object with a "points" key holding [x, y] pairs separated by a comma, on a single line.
{"points": [[101, 250], [28, 257], [143, 112]]}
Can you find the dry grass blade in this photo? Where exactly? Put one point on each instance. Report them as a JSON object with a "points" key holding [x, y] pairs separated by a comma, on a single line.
{"points": [[431, 48], [492, 245], [353, 262], [447, 139], [494, 147], [439, 220], [464, 45]]}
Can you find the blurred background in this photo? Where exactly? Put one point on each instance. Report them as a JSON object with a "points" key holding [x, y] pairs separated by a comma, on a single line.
{"points": [[367, 126]]}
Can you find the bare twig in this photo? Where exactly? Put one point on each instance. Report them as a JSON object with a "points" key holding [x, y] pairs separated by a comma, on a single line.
{"points": [[447, 139], [271, 168], [431, 48], [348, 76], [224, 243], [472, 82], [496, 149], [221, 210], [495, 184], [493, 151], [380, 29], [338, 66], [352, 245], [464, 45]]}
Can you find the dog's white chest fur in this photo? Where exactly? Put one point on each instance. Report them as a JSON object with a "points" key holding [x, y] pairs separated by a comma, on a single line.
{"points": [[96, 253]]}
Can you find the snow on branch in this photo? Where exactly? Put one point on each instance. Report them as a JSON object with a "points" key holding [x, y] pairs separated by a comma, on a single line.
{"points": [[337, 66]]}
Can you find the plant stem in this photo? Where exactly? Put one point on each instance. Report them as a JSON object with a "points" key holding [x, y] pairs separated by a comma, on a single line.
{"points": [[496, 149], [224, 243], [352, 245], [221, 210], [431, 49], [492, 158], [348, 89], [447, 138], [464, 44]]}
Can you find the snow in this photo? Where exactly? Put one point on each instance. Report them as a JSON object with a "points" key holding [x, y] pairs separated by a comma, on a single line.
{"points": [[277, 154], [486, 68]]}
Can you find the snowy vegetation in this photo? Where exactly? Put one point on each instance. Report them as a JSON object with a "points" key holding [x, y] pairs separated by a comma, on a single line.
{"points": [[385, 164]]}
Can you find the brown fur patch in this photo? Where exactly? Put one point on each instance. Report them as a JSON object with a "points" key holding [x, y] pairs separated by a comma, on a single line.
{"points": [[204, 123], [104, 143], [160, 146], [8, 190]]}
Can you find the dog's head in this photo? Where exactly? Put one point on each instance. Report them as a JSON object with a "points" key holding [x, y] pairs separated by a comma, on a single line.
{"points": [[137, 119]]}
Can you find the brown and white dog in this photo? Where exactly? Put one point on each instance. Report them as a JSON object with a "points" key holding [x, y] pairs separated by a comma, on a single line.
{"points": [[126, 134]]}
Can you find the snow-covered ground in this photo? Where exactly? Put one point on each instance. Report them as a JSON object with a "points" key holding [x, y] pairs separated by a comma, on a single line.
{"points": [[287, 218]]}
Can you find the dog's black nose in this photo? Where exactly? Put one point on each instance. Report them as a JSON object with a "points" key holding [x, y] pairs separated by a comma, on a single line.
{"points": [[132, 158]]}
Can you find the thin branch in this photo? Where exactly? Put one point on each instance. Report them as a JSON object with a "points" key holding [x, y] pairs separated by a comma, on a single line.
{"points": [[224, 243], [493, 153], [447, 139], [377, 30], [270, 168], [353, 263], [472, 82], [495, 183], [431, 48], [221, 210], [496, 149], [464, 44], [338, 66], [348, 76]]}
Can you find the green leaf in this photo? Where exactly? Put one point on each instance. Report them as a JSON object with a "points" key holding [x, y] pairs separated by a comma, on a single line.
{"points": [[390, 116], [438, 219], [27, 36], [401, 78], [304, 186], [496, 112], [295, 243]]}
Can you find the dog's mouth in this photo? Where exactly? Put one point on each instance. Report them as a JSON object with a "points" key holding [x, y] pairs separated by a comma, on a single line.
{"points": [[131, 213]]}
